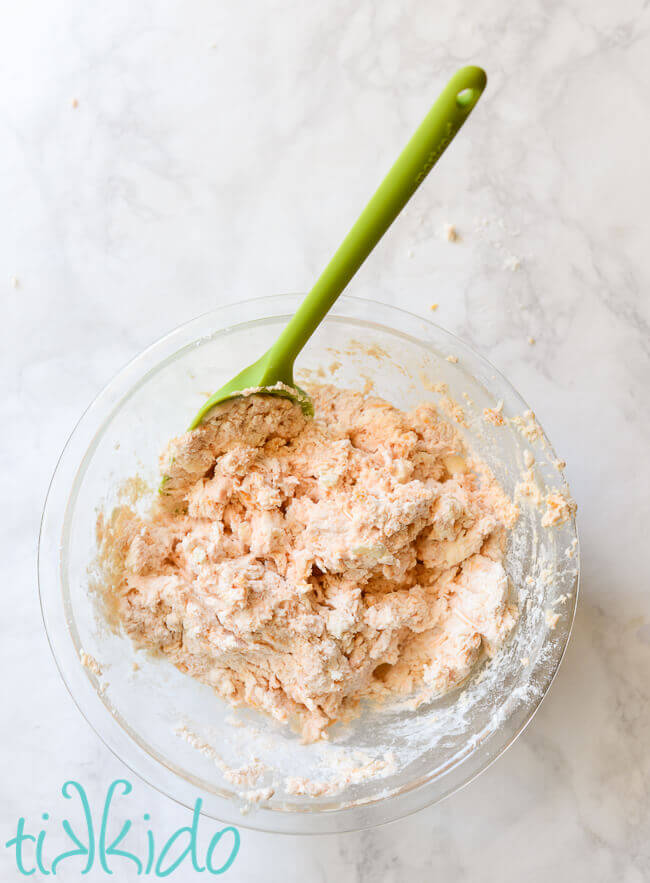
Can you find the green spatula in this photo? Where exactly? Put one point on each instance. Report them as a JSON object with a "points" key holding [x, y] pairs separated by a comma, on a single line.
{"points": [[272, 374]]}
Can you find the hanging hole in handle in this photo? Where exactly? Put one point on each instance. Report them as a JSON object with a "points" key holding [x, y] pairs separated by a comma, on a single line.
{"points": [[467, 97]]}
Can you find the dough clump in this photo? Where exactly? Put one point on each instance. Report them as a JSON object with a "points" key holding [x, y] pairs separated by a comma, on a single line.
{"points": [[299, 565]]}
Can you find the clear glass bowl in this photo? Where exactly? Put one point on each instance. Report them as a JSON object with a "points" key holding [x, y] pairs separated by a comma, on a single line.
{"points": [[137, 702]]}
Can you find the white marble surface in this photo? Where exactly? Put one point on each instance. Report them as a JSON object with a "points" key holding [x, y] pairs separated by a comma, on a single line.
{"points": [[219, 151]]}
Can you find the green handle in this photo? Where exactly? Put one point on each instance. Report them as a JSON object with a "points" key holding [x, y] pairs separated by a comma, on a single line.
{"points": [[427, 145]]}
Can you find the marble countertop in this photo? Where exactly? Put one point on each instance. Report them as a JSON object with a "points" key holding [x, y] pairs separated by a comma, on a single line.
{"points": [[162, 158]]}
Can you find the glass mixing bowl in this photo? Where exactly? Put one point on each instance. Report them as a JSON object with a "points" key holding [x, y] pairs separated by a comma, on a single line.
{"points": [[175, 732]]}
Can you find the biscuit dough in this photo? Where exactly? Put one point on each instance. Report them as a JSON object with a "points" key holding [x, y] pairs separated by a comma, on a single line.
{"points": [[299, 565]]}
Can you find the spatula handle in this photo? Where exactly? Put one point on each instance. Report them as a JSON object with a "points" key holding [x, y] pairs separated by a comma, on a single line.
{"points": [[427, 145]]}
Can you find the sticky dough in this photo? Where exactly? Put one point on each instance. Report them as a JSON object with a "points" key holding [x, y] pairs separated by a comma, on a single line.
{"points": [[299, 565]]}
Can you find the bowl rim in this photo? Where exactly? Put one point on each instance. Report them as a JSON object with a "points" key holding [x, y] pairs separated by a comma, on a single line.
{"points": [[84, 689]]}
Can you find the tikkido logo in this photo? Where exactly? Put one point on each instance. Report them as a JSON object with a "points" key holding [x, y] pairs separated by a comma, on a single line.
{"points": [[93, 848]]}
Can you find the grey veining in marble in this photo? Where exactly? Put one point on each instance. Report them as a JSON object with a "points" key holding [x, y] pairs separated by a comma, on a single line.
{"points": [[219, 151]]}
